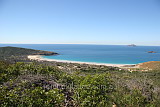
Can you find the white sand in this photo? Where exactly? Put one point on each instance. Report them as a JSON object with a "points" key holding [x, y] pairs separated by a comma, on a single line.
{"points": [[40, 58]]}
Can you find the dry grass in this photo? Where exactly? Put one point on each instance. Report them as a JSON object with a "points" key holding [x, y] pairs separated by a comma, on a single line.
{"points": [[152, 65]]}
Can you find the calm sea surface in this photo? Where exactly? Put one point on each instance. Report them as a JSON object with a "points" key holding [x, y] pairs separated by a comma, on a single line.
{"points": [[114, 54]]}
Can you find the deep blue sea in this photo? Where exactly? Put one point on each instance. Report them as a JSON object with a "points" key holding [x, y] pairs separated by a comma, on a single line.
{"points": [[114, 54]]}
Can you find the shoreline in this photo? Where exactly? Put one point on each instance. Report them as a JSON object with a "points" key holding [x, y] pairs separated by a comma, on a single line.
{"points": [[40, 58]]}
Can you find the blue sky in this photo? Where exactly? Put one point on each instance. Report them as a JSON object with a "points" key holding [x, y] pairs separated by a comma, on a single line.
{"points": [[118, 22]]}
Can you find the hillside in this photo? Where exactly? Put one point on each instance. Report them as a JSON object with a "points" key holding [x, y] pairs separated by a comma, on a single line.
{"points": [[152, 65], [16, 54], [15, 51]]}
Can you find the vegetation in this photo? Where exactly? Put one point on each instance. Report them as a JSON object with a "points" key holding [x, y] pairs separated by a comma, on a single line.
{"points": [[31, 84], [16, 51], [53, 84], [15, 54], [152, 65]]}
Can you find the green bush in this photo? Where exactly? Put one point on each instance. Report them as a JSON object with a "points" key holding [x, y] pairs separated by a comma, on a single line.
{"points": [[24, 85], [36, 97], [94, 91]]}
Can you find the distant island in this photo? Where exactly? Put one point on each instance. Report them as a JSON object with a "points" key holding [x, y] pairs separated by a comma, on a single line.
{"points": [[132, 45]]}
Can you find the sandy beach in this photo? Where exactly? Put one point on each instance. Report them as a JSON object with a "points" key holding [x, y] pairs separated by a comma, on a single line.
{"points": [[40, 58]]}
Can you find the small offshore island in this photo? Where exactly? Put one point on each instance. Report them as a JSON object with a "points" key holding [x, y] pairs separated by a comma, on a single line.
{"points": [[28, 79], [132, 45], [152, 52]]}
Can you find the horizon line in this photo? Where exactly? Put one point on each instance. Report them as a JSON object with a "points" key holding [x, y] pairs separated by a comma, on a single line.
{"points": [[75, 44]]}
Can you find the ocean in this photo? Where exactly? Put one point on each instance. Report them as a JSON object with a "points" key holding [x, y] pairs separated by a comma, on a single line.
{"points": [[112, 54]]}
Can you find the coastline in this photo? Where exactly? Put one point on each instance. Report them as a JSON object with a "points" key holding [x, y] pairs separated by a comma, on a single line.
{"points": [[40, 58]]}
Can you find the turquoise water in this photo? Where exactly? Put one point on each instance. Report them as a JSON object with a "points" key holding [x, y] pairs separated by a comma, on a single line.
{"points": [[114, 54]]}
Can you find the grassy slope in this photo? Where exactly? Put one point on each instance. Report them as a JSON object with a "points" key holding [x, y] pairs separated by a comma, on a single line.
{"points": [[154, 65]]}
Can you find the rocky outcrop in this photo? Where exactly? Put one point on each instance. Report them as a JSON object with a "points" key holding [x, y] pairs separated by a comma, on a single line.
{"points": [[152, 52]]}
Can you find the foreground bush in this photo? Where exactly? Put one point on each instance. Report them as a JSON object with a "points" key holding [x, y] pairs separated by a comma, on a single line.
{"points": [[34, 85]]}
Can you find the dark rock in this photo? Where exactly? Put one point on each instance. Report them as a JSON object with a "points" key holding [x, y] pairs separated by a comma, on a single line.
{"points": [[152, 52]]}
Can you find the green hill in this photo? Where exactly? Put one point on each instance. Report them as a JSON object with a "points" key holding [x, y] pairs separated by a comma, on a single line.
{"points": [[16, 51]]}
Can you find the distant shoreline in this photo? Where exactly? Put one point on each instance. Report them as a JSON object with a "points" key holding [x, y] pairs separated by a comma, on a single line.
{"points": [[40, 58]]}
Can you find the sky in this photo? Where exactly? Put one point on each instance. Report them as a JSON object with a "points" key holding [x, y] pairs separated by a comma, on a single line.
{"points": [[111, 22]]}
